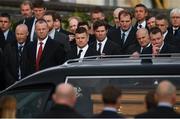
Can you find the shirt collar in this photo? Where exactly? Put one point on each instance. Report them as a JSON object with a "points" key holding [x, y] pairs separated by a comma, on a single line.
{"points": [[126, 32], [110, 109], [52, 33], [84, 48], [43, 41], [164, 104], [143, 24], [6, 34], [164, 34], [161, 46]]}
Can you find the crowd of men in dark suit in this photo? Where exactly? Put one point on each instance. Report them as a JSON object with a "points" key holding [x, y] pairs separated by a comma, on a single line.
{"points": [[38, 40]]}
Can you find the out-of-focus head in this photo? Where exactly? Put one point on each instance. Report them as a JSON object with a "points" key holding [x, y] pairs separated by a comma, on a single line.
{"points": [[65, 94], [151, 21], [81, 37], [8, 107], [175, 17], [141, 12], [111, 96], [97, 14], [39, 9], [21, 33], [57, 22], [73, 23], [150, 100], [142, 36], [116, 16], [100, 28], [5, 21], [166, 92], [49, 18], [26, 8]]}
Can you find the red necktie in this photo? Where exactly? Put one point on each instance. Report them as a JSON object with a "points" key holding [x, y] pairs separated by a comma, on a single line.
{"points": [[39, 56]]}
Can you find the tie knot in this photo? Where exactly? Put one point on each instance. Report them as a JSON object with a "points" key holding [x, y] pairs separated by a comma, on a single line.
{"points": [[41, 43], [99, 44], [140, 26], [80, 51]]}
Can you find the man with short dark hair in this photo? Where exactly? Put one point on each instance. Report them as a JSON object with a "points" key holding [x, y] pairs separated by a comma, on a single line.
{"points": [[5, 26], [103, 44], [158, 44], [111, 97], [55, 35], [141, 12], [81, 49]]}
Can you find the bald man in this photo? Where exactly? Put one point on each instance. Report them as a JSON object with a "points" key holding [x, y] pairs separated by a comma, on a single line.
{"points": [[116, 17], [15, 56], [144, 45], [64, 99], [166, 96]]}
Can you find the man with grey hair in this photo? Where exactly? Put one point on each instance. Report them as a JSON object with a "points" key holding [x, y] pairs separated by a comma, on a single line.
{"points": [[64, 98], [14, 56], [166, 96], [175, 28]]}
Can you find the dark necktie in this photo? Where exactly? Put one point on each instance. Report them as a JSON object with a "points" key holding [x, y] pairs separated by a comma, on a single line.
{"points": [[123, 37], [99, 50], [39, 56], [140, 26], [20, 50], [79, 54], [175, 32]]}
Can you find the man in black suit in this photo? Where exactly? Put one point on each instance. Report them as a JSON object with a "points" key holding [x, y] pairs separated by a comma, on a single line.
{"points": [[26, 9], [111, 98], [141, 12], [64, 99], [58, 24], [175, 26], [14, 56], [2, 40], [39, 10], [5, 25], [158, 44], [163, 24], [103, 44], [44, 52], [126, 35], [144, 46], [81, 49], [166, 96], [55, 35]]}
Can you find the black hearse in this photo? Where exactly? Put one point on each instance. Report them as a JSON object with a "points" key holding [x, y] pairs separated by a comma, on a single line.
{"points": [[89, 76]]}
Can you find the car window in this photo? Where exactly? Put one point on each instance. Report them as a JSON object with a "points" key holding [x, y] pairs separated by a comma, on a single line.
{"points": [[87, 86], [30, 103]]}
